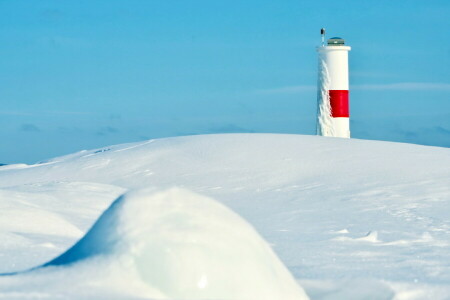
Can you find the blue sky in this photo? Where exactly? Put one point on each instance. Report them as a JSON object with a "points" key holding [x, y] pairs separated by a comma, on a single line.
{"points": [[78, 75]]}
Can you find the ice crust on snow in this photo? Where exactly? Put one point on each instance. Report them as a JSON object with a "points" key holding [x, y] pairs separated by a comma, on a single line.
{"points": [[179, 244], [313, 199], [324, 120]]}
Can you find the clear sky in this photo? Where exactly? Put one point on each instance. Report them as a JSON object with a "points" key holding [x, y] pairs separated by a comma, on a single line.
{"points": [[79, 74]]}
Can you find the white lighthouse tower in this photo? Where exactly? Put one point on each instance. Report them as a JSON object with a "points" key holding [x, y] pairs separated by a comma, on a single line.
{"points": [[333, 115]]}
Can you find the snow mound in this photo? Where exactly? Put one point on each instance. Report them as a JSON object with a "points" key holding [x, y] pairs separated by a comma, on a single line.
{"points": [[181, 245]]}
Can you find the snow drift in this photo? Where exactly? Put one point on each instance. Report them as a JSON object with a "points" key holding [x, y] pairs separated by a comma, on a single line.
{"points": [[179, 244]]}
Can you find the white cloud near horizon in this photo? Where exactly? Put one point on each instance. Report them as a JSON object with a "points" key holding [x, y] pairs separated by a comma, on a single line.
{"points": [[15, 113], [399, 86], [26, 113], [404, 86]]}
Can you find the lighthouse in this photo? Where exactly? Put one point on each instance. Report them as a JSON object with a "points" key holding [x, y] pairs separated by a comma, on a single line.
{"points": [[333, 113]]}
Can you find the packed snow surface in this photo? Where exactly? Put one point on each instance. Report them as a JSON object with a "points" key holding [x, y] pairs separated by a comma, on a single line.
{"points": [[350, 219]]}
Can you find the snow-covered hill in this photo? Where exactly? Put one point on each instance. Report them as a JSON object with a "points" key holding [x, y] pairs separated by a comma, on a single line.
{"points": [[349, 218]]}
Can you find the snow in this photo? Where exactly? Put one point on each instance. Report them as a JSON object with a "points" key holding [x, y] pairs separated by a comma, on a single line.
{"points": [[46, 217], [350, 219], [324, 120]]}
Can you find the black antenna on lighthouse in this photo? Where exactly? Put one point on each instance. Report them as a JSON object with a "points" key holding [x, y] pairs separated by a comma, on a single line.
{"points": [[322, 33]]}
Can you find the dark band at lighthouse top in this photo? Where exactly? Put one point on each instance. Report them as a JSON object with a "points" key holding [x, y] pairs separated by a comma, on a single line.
{"points": [[336, 41]]}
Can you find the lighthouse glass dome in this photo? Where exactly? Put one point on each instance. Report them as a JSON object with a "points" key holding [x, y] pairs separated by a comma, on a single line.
{"points": [[336, 41]]}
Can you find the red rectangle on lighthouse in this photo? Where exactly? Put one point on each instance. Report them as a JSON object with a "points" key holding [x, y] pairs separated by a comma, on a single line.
{"points": [[339, 103]]}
